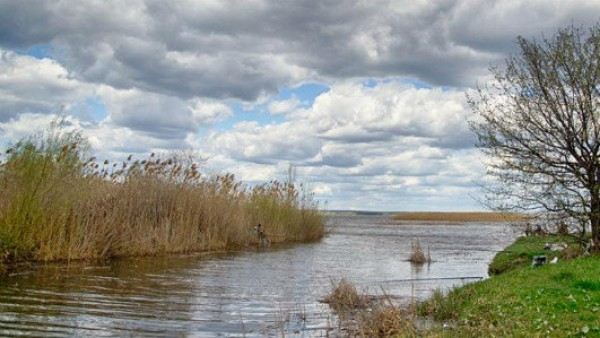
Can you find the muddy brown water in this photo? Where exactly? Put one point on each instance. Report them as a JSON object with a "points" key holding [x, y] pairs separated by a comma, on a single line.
{"points": [[272, 292]]}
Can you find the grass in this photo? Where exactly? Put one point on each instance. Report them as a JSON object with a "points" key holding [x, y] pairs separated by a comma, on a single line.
{"points": [[59, 204], [458, 217], [556, 300], [521, 252]]}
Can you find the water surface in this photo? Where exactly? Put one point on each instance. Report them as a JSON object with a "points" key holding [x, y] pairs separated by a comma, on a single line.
{"points": [[257, 293]]}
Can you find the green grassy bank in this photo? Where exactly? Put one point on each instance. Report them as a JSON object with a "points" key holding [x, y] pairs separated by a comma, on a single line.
{"points": [[556, 300], [57, 203], [521, 252]]}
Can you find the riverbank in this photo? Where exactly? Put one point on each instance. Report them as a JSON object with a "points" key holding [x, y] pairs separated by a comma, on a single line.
{"points": [[58, 204], [520, 254], [554, 300]]}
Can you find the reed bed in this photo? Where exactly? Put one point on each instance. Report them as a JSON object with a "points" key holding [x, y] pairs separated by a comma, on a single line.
{"points": [[58, 204], [461, 217]]}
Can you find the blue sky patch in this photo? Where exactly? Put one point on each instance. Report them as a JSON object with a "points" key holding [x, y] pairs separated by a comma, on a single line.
{"points": [[40, 51]]}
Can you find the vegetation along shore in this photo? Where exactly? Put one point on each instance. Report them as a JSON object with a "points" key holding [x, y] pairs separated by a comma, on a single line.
{"points": [[554, 300], [57, 203]]}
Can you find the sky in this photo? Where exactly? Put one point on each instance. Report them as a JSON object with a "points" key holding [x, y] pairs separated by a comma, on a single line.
{"points": [[367, 99]]}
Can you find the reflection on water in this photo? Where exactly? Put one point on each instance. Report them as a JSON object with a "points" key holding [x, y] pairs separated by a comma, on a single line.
{"points": [[244, 294]]}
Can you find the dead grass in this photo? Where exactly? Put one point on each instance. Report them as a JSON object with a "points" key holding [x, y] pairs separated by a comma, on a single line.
{"points": [[386, 320], [461, 217], [417, 254], [59, 204], [344, 297], [363, 315]]}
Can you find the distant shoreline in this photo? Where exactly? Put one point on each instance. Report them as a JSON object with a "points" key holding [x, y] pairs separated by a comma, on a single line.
{"points": [[472, 216]]}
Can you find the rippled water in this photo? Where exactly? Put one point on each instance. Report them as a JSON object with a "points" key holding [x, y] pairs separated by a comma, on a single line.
{"points": [[266, 293]]}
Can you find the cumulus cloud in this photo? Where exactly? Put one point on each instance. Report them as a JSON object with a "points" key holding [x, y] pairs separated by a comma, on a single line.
{"points": [[34, 92], [272, 143], [208, 49], [353, 112], [144, 75], [164, 116], [28, 124], [284, 106], [385, 139], [29, 85], [206, 112]]}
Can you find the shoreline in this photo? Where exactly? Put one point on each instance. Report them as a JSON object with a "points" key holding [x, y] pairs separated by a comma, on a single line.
{"points": [[560, 299], [10, 268], [554, 299], [58, 204], [458, 217]]}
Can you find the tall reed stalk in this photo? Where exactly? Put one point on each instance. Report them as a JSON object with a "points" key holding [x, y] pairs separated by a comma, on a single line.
{"points": [[58, 204]]}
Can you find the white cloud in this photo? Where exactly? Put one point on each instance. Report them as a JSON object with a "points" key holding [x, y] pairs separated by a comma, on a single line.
{"points": [[207, 111], [322, 190], [352, 112], [388, 140], [30, 124], [249, 141], [162, 71], [284, 106], [195, 48], [29, 85]]}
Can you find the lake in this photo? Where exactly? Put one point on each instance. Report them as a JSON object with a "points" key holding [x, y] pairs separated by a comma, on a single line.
{"points": [[267, 292]]}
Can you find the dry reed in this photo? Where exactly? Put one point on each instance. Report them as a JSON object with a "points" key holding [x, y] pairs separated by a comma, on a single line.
{"points": [[386, 319], [345, 298], [58, 204], [417, 254], [363, 315]]}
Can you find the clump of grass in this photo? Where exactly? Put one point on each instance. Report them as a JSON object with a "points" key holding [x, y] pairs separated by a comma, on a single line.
{"points": [[417, 254], [441, 306], [385, 319], [363, 315], [57, 203], [344, 298]]}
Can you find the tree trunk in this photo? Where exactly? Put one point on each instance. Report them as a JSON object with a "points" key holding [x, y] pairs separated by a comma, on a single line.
{"points": [[595, 222]]}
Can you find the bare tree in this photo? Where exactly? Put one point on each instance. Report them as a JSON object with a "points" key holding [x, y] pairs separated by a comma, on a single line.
{"points": [[539, 122]]}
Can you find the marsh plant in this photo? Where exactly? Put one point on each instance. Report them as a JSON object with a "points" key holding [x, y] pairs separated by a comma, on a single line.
{"points": [[57, 203], [363, 315], [344, 297], [417, 254]]}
